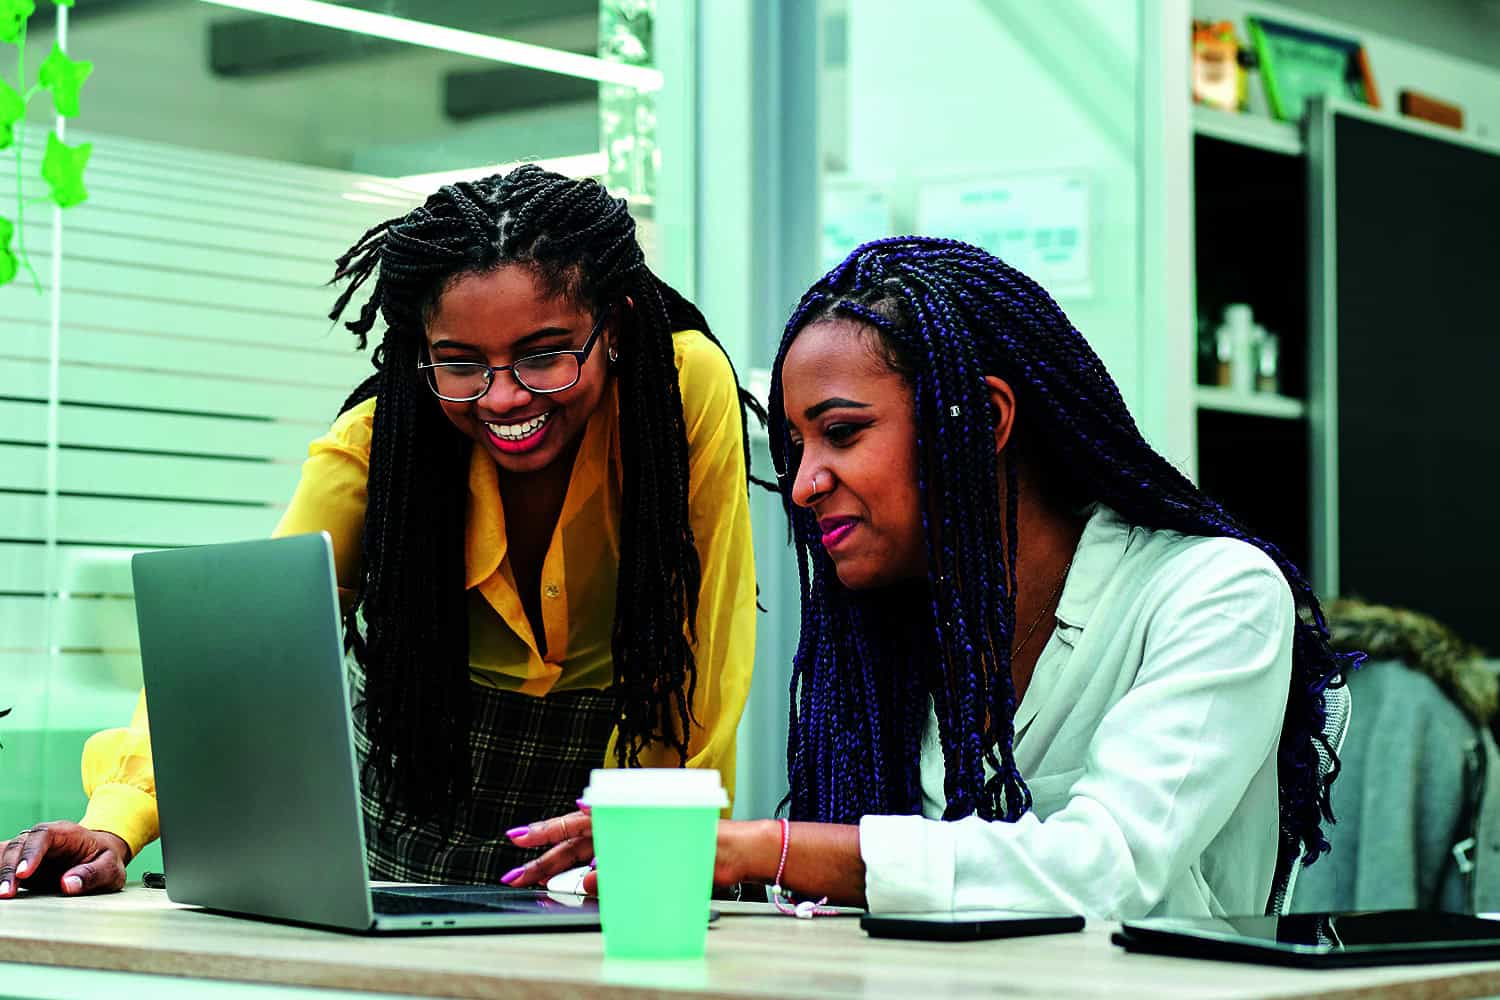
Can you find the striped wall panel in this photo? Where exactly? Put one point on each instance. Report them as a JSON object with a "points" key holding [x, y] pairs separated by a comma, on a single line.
{"points": [[197, 361]]}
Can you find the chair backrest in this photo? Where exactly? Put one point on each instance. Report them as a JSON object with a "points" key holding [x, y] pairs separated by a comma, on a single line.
{"points": [[1337, 706]]}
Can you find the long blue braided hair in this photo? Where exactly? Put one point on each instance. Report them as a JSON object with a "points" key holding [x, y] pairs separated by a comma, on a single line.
{"points": [[945, 315]]}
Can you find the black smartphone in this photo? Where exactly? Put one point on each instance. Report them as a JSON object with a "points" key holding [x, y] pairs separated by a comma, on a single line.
{"points": [[967, 925]]}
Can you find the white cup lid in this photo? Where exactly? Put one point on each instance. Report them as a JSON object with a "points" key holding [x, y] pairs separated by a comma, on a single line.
{"points": [[655, 786]]}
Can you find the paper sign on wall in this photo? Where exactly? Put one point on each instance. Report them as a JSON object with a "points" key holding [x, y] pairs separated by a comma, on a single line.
{"points": [[1037, 223]]}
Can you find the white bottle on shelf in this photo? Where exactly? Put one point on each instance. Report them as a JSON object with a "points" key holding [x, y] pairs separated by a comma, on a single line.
{"points": [[1241, 328]]}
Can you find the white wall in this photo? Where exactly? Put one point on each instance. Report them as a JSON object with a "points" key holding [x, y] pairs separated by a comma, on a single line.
{"points": [[968, 87]]}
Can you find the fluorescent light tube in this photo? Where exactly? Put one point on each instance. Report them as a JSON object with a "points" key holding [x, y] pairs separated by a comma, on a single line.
{"points": [[469, 43]]}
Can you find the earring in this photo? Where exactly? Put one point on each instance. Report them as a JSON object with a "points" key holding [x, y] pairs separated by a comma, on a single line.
{"points": [[614, 354]]}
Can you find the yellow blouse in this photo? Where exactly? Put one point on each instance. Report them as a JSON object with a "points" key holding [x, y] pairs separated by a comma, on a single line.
{"points": [[578, 580]]}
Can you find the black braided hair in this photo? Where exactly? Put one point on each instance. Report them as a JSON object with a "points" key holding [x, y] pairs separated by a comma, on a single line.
{"points": [[945, 314], [579, 243]]}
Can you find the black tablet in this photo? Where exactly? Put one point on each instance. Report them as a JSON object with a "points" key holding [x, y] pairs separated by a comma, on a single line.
{"points": [[1314, 940]]}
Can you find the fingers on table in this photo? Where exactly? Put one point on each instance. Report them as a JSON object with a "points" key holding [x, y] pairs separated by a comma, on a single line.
{"points": [[19, 857], [10, 856], [94, 866], [105, 873]]}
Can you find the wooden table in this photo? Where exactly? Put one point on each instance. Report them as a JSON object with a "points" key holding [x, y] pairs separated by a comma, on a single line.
{"points": [[750, 954]]}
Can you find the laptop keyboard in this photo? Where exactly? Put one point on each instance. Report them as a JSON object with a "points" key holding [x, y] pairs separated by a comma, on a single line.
{"points": [[399, 903]]}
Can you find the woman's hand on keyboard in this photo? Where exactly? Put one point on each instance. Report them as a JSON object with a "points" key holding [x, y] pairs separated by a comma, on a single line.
{"points": [[569, 840]]}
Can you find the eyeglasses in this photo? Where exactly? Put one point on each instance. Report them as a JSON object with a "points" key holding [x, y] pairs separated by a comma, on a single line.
{"points": [[550, 371]]}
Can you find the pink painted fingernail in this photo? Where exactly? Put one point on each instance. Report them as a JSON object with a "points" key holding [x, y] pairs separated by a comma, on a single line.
{"points": [[583, 805], [518, 831], [4, 888], [21, 868], [512, 875], [593, 863], [73, 883]]}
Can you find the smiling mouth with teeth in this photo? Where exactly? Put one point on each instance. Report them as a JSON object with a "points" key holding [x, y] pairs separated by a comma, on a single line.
{"points": [[521, 431]]}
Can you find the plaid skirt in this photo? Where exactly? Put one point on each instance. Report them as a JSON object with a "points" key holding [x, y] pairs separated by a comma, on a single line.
{"points": [[531, 760]]}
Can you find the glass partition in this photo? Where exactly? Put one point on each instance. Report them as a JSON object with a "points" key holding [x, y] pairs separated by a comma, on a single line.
{"points": [[161, 377]]}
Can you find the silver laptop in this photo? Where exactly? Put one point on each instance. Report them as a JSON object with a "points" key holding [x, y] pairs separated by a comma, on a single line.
{"points": [[251, 734]]}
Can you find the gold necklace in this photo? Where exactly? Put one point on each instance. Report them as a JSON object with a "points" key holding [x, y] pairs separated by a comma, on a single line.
{"points": [[1056, 593]]}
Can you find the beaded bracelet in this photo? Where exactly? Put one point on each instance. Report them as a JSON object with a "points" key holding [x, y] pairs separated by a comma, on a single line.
{"points": [[806, 909]]}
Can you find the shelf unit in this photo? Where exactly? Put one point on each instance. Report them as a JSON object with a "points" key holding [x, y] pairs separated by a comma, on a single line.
{"points": [[1251, 246], [1249, 130], [1255, 404]]}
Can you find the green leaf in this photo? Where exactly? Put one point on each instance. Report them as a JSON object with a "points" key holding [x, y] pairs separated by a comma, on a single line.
{"points": [[64, 77], [8, 268], [62, 168], [12, 110], [13, 17]]}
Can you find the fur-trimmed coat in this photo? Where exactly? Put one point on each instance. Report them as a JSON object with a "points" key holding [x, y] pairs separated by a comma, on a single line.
{"points": [[1418, 796]]}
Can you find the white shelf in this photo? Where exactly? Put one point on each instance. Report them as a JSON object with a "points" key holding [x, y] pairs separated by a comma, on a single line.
{"points": [[1249, 130], [1257, 404]]}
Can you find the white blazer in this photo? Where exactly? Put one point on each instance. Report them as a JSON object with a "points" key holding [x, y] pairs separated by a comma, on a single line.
{"points": [[1147, 736]]}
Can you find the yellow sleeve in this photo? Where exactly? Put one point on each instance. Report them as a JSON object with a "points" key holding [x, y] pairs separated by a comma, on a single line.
{"points": [[330, 496], [719, 511], [119, 782]]}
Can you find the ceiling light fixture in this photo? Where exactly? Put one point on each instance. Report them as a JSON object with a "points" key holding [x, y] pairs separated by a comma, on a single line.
{"points": [[469, 43]]}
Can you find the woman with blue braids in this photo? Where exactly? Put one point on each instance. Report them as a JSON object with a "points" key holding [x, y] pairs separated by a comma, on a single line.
{"points": [[1038, 669]]}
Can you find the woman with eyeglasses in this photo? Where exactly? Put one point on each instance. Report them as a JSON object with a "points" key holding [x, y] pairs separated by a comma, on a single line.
{"points": [[540, 521]]}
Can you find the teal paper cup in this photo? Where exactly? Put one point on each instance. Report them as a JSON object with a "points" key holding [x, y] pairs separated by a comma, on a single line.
{"points": [[655, 834]]}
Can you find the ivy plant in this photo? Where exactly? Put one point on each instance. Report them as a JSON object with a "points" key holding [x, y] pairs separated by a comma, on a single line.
{"points": [[62, 165]]}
